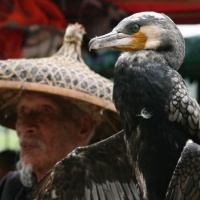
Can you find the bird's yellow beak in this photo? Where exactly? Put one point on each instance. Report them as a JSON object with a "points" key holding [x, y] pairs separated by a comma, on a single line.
{"points": [[120, 41]]}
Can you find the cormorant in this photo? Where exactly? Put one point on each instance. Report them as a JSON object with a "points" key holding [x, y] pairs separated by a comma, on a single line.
{"points": [[159, 116]]}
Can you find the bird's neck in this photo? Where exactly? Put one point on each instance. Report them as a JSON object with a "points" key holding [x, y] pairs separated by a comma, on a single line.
{"points": [[173, 61], [143, 75]]}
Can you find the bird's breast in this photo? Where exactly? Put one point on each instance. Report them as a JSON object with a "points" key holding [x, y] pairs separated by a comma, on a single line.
{"points": [[141, 82]]}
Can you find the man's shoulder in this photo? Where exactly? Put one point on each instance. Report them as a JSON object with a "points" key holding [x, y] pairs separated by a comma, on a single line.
{"points": [[10, 185], [12, 175], [11, 178]]}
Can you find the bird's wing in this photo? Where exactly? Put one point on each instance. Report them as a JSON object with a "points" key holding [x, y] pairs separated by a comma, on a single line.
{"points": [[98, 171], [183, 108], [185, 182]]}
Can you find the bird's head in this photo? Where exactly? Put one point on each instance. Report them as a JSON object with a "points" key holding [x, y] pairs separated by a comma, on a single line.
{"points": [[145, 30]]}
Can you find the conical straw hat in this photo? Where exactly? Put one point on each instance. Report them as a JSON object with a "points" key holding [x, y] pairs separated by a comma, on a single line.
{"points": [[64, 74]]}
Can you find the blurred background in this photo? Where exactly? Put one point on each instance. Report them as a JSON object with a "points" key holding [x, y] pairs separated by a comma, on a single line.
{"points": [[33, 29]]}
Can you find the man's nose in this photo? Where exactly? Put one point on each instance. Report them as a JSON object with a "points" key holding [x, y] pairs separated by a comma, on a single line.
{"points": [[26, 126]]}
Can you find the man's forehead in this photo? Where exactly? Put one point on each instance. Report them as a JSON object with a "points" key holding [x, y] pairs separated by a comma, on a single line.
{"points": [[34, 99], [35, 95]]}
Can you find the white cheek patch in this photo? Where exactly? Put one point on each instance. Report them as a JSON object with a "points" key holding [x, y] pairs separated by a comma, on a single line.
{"points": [[153, 34]]}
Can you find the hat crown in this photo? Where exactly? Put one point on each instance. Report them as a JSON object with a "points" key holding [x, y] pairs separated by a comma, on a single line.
{"points": [[74, 33], [71, 47]]}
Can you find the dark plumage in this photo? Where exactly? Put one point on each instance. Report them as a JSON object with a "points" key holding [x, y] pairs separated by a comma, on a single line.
{"points": [[99, 171], [159, 116]]}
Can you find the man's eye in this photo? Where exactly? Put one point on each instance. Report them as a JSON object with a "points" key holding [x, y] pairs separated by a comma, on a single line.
{"points": [[47, 110], [22, 111]]}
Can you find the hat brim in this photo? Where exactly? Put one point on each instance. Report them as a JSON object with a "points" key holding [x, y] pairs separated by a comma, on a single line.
{"points": [[103, 111]]}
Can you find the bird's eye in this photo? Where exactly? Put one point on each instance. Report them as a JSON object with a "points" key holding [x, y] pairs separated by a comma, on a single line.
{"points": [[135, 28]]}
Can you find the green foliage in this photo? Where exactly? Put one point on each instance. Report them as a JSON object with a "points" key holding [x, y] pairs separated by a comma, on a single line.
{"points": [[8, 139]]}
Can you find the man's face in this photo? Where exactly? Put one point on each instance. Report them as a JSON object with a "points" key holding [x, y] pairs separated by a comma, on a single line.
{"points": [[45, 133]]}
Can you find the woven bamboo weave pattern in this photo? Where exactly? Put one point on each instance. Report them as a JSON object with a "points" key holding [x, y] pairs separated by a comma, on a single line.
{"points": [[52, 71]]}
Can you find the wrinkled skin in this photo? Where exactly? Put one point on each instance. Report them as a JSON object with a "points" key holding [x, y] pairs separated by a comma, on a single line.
{"points": [[48, 131]]}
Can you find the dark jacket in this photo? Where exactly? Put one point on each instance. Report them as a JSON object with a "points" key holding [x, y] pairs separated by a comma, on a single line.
{"points": [[11, 188]]}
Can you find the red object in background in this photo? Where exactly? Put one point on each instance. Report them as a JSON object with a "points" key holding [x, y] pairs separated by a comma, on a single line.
{"points": [[21, 14], [11, 43], [181, 11], [40, 12]]}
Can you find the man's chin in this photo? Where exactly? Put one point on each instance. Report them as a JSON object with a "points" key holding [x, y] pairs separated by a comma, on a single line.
{"points": [[27, 176]]}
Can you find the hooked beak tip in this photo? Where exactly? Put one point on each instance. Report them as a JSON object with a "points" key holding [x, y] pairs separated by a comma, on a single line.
{"points": [[91, 46]]}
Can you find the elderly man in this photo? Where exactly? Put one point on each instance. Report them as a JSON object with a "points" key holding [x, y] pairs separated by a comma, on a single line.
{"points": [[56, 104], [49, 126]]}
